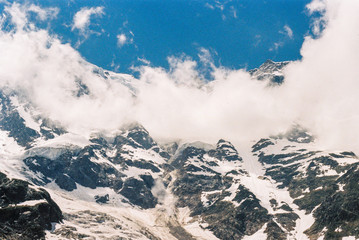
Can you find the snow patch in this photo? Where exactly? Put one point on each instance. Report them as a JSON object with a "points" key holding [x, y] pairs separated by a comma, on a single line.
{"points": [[29, 203]]}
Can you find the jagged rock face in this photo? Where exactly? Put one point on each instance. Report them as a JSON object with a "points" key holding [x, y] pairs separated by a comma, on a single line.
{"points": [[339, 210], [208, 183], [139, 193], [11, 121], [25, 212], [225, 151], [137, 137], [269, 71], [14, 123], [107, 164], [322, 183]]}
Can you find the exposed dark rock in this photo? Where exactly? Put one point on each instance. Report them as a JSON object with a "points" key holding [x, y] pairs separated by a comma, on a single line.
{"points": [[65, 182], [271, 71], [314, 187], [287, 220], [25, 221], [148, 180], [75, 167], [138, 193], [263, 143], [11, 121], [143, 165], [299, 135], [140, 136], [49, 129], [340, 210], [179, 232], [228, 222], [225, 151], [187, 153], [224, 219], [82, 88], [49, 168], [102, 199], [274, 232]]}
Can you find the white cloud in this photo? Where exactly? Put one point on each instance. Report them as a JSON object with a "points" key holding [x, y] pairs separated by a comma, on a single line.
{"points": [[206, 58], [209, 6], [276, 46], [320, 91], [44, 13], [257, 40], [144, 61], [82, 18], [288, 31], [224, 7], [121, 40], [327, 77], [317, 6], [176, 103], [19, 14], [327, 11]]}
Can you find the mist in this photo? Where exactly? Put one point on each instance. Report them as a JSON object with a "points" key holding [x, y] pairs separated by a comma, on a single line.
{"points": [[320, 91]]}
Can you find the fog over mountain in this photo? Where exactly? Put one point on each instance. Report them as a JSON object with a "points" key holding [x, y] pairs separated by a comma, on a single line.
{"points": [[90, 136], [318, 90]]}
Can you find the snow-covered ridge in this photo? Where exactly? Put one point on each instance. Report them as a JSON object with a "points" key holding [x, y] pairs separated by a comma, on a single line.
{"points": [[269, 71]]}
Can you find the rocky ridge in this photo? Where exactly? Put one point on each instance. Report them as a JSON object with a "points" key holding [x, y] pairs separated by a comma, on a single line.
{"points": [[269, 71], [25, 210]]}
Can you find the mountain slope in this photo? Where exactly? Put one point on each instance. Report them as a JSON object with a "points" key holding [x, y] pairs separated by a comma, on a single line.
{"points": [[123, 184]]}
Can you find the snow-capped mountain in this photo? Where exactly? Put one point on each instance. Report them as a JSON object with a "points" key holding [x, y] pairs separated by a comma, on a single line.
{"points": [[56, 184], [270, 71]]}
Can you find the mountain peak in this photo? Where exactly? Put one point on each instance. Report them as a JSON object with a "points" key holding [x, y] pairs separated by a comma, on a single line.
{"points": [[270, 71]]}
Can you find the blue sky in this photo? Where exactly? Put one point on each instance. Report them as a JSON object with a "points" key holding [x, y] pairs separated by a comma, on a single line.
{"points": [[238, 33]]}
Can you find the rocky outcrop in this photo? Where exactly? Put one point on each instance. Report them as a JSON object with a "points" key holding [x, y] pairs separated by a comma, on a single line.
{"points": [[14, 123], [269, 71], [228, 208], [25, 212], [104, 163], [322, 183]]}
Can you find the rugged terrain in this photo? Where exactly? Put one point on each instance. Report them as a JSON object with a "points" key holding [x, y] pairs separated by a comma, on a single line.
{"points": [[124, 185]]}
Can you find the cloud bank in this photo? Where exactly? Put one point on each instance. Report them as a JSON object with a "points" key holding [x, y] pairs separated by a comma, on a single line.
{"points": [[320, 90], [326, 81]]}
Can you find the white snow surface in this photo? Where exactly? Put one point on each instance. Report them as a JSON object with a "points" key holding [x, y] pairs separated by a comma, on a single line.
{"points": [[133, 220], [25, 114], [264, 188], [64, 140], [349, 238], [142, 154], [29, 203], [10, 156]]}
